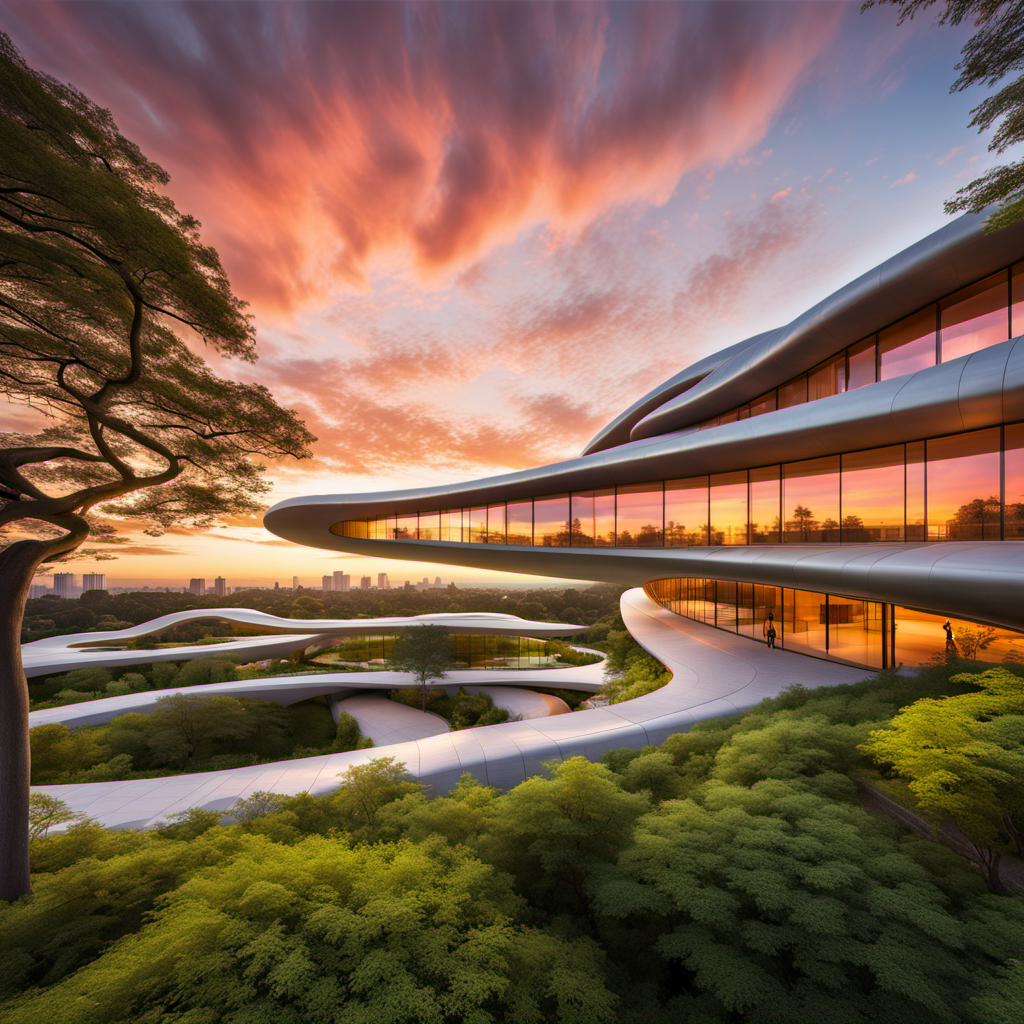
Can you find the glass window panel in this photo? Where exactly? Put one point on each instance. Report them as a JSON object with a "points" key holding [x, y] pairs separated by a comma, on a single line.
{"points": [[639, 516], [855, 630], [593, 518], [974, 317], [861, 365], [551, 522], [451, 526], [915, 528], [428, 526], [766, 403], [475, 520], [826, 380], [729, 508], [793, 393], [520, 522], [764, 505], [1014, 488], [725, 605], [920, 636], [805, 622], [387, 526], [908, 345], [745, 609], [767, 601], [686, 512], [405, 527], [729, 417], [963, 486], [810, 501], [496, 524], [743, 412], [1017, 300], [873, 495]]}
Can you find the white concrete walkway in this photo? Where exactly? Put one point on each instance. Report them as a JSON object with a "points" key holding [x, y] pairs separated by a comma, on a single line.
{"points": [[714, 674], [386, 721]]}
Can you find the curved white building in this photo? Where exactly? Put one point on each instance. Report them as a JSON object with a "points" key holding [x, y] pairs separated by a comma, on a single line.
{"points": [[857, 474]]}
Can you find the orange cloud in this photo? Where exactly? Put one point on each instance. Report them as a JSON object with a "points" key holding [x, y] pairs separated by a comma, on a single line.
{"points": [[321, 141]]}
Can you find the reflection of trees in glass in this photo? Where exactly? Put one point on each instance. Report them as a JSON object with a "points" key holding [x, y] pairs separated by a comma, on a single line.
{"points": [[766, 534], [854, 529], [978, 519], [803, 522]]}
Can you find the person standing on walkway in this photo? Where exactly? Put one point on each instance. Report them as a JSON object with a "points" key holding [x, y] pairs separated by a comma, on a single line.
{"points": [[950, 640], [769, 630]]}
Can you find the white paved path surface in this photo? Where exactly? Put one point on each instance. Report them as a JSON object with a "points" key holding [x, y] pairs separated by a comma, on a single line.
{"points": [[714, 674], [386, 721]]}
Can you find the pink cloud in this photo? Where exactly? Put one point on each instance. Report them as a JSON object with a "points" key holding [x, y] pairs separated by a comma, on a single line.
{"points": [[319, 141], [905, 180]]}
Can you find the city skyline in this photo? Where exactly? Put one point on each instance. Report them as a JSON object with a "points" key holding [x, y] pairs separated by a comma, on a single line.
{"points": [[617, 202]]}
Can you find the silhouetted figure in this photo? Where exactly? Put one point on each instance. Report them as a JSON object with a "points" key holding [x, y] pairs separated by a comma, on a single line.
{"points": [[950, 640], [769, 630]]}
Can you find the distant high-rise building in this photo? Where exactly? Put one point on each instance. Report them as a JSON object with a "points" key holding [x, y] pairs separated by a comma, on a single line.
{"points": [[365, 582], [94, 581], [437, 581], [220, 586], [295, 583], [197, 586], [64, 584], [382, 581], [327, 584], [38, 590], [342, 581]]}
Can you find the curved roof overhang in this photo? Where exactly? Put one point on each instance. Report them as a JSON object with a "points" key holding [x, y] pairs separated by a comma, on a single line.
{"points": [[950, 258], [980, 390]]}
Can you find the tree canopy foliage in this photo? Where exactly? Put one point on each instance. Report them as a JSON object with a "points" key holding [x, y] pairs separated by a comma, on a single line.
{"points": [[995, 51], [107, 298], [729, 875], [963, 757]]}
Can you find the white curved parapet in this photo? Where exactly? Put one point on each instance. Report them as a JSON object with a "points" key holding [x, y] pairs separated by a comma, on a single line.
{"points": [[714, 674], [80, 650]]}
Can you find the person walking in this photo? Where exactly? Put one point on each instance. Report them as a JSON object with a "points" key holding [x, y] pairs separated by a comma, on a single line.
{"points": [[769, 630]]}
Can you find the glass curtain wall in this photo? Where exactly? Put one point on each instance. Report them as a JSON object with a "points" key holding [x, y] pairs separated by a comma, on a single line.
{"points": [[877, 495], [869, 633]]}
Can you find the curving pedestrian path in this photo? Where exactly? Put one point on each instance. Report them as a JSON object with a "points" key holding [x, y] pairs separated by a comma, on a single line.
{"points": [[714, 674]]}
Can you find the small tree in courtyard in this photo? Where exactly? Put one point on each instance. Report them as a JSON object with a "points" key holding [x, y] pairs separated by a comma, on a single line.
{"points": [[107, 295], [425, 651]]}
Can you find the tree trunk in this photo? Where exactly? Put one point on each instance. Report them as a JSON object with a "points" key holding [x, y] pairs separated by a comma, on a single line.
{"points": [[17, 568]]}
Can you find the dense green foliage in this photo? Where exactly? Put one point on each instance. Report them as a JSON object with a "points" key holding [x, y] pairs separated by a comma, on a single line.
{"points": [[187, 733], [630, 671], [461, 711], [99, 610], [963, 757], [729, 876]]}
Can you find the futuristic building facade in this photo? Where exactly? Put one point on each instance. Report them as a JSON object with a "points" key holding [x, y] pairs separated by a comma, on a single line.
{"points": [[858, 474]]}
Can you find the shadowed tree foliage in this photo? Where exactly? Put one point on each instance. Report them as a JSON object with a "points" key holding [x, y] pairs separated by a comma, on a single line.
{"points": [[994, 51], [107, 295]]}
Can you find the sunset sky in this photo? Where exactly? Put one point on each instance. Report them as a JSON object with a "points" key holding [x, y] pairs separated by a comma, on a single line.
{"points": [[472, 233]]}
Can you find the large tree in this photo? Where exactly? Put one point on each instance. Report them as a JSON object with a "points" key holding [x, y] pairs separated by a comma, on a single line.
{"points": [[425, 651], [994, 51], [107, 300]]}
